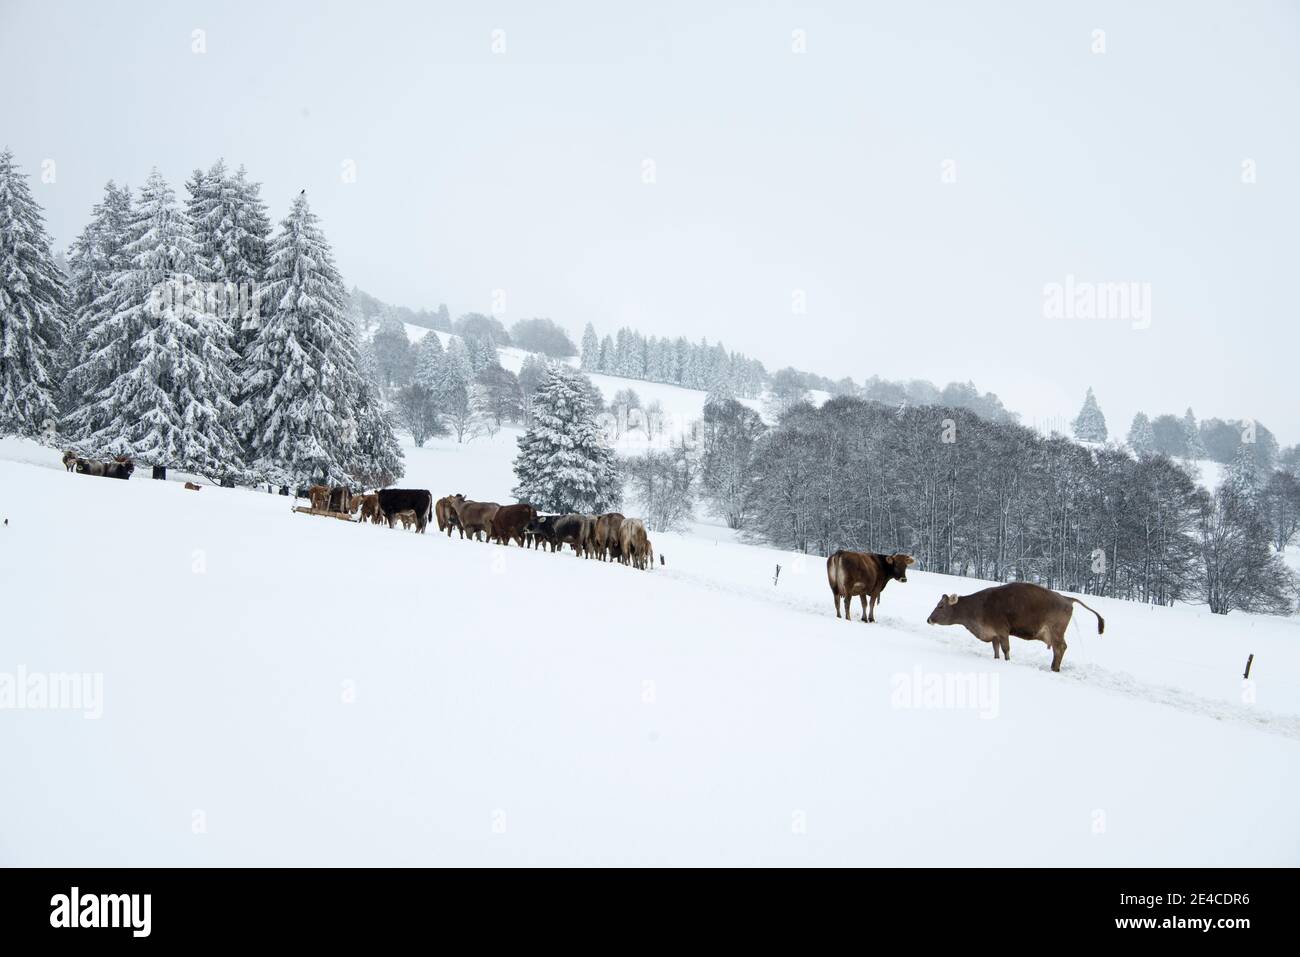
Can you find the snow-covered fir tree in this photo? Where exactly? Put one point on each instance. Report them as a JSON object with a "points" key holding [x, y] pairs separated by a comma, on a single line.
{"points": [[1141, 437], [1090, 425], [231, 229], [302, 385], [428, 361], [452, 392], [590, 349], [563, 465], [33, 323], [96, 258], [720, 390], [377, 458], [173, 404], [1195, 446]]}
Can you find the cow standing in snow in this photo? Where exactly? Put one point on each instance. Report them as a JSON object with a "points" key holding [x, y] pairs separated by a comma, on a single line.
{"points": [[866, 575]]}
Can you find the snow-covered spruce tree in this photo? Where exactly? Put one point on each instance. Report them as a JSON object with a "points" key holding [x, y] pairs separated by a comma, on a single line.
{"points": [[33, 324], [1090, 425], [590, 349], [720, 389], [1141, 437], [377, 455], [428, 362], [563, 465], [231, 229], [97, 257], [173, 405], [1195, 446], [452, 392], [301, 384]]}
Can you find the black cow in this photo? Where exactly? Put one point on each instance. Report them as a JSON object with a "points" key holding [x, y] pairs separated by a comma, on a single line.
{"points": [[417, 500], [118, 468], [558, 530]]}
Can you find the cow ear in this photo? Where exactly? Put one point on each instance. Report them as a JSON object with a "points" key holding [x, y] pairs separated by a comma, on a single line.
{"points": [[909, 559], [952, 599], [889, 559]]}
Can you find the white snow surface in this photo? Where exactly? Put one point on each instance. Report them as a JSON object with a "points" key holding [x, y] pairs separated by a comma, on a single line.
{"points": [[514, 707]]}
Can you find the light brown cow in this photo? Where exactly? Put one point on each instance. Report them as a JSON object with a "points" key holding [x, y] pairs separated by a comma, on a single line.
{"points": [[633, 545], [865, 574], [369, 508], [446, 515], [407, 518], [1022, 609], [606, 538], [192, 487], [474, 517], [319, 496]]}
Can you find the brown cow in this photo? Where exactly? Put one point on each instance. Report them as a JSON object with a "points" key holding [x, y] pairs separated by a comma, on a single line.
{"points": [[446, 515], [369, 508], [192, 487], [319, 496], [633, 546], [407, 518], [865, 574], [510, 521], [70, 460], [606, 539], [474, 517], [1022, 609]]}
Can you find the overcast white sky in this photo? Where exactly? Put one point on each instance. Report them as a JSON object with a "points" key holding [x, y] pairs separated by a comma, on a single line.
{"points": [[775, 171]]}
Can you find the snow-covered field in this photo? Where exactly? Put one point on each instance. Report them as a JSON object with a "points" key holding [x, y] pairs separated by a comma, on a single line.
{"points": [[283, 689]]}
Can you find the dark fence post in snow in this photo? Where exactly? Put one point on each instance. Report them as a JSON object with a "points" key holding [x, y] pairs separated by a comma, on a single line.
{"points": [[1249, 662], [160, 472], [777, 575]]}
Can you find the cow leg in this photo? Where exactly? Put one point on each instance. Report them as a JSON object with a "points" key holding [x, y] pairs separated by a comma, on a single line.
{"points": [[1058, 651], [836, 596], [869, 616], [1005, 641]]}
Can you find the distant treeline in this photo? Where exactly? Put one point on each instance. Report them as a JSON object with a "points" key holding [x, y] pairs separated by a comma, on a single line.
{"points": [[996, 500]]}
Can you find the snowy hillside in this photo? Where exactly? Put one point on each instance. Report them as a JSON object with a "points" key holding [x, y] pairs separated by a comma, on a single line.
{"points": [[283, 689]]}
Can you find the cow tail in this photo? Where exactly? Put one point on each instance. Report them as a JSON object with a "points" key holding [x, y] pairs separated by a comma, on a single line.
{"points": [[428, 513], [1101, 622]]}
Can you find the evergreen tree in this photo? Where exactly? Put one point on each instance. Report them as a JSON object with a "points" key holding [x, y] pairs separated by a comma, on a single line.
{"points": [[720, 390], [173, 403], [1141, 437], [97, 256], [301, 387], [1090, 425], [453, 390], [590, 350], [563, 465], [231, 229], [377, 453], [33, 326], [607, 356], [428, 362], [1195, 447]]}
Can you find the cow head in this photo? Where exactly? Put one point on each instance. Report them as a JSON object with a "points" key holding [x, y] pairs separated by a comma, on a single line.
{"points": [[896, 565], [945, 613]]}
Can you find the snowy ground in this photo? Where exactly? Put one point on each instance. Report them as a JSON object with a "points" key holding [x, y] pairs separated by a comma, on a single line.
{"points": [[283, 689]]}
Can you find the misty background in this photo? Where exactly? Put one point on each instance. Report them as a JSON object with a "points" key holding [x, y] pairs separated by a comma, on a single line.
{"points": [[505, 148]]}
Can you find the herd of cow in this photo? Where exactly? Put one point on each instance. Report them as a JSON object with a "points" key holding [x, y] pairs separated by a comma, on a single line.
{"points": [[608, 537], [120, 467], [993, 615]]}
